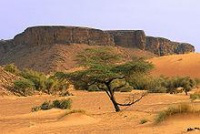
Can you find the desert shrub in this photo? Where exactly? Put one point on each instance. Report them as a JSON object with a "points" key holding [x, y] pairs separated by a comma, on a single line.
{"points": [[61, 104], [170, 85], [53, 85], [143, 121], [145, 82], [181, 82], [197, 81], [195, 96], [50, 84], [65, 93], [36, 108], [41, 82], [12, 69], [75, 79], [157, 86], [126, 88], [56, 103], [36, 77], [93, 88], [80, 85], [65, 104], [138, 81], [46, 105], [24, 87], [182, 108]]}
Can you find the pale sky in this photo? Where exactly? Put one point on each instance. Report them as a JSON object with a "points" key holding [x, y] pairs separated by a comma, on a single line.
{"points": [[177, 20]]}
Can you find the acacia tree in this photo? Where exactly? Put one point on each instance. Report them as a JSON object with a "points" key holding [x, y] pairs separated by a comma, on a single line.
{"points": [[102, 68]]}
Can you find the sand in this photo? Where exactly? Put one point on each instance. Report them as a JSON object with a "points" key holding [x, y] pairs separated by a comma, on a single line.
{"points": [[177, 65], [99, 117], [16, 116]]}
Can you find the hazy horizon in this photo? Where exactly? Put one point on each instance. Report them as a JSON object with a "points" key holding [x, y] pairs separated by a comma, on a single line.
{"points": [[175, 20]]}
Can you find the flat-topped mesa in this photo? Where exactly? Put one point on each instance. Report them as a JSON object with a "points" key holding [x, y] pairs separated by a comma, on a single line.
{"points": [[162, 46], [129, 38], [45, 35], [49, 35]]}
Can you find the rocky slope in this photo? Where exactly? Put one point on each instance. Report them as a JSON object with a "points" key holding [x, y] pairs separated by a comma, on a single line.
{"points": [[6, 81], [41, 48]]}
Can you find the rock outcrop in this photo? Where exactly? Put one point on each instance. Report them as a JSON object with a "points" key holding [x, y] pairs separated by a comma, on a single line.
{"points": [[156, 45], [162, 46], [129, 38], [46, 35], [49, 35]]}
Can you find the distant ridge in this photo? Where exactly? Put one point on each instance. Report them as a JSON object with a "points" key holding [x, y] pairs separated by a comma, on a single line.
{"points": [[44, 35], [42, 47]]}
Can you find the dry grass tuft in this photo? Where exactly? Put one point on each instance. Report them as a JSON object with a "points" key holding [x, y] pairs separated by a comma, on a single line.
{"points": [[72, 112], [173, 110]]}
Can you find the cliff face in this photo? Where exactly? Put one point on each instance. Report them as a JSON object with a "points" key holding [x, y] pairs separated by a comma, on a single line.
{"points": [[63, 35], [50, 35], [162, 46], [129, 38]]}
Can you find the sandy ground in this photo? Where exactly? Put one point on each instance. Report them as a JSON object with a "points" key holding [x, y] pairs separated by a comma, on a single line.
{"points": [[177, 65], [16, 116]]}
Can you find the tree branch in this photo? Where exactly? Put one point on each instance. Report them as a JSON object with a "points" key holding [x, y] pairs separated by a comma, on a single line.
{"points": [[131, 103]]}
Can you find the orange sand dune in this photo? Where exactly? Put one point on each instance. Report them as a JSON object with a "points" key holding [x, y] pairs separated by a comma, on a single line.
{"points": [[177, 65], [16, 116]]}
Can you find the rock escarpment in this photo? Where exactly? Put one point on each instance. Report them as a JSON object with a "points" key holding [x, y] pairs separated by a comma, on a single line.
{"points": [[162, 46], [156, 45], [49, 35], [129, 38], [46, 35]]}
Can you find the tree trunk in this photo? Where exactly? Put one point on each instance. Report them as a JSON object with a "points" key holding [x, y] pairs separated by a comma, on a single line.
{"points": [[116, 106], [112, 98]]}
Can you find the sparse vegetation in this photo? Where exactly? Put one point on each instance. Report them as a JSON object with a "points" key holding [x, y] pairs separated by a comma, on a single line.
{"points": [[46, 105], [104, 71], [24, 87], [75, 111], [157, 85], [172, 85], [195, 96], [180, 109], [72, 112], [60, 104], [36, 108], [31, 81], [143, 121], [12, 69], [197, 82]]}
